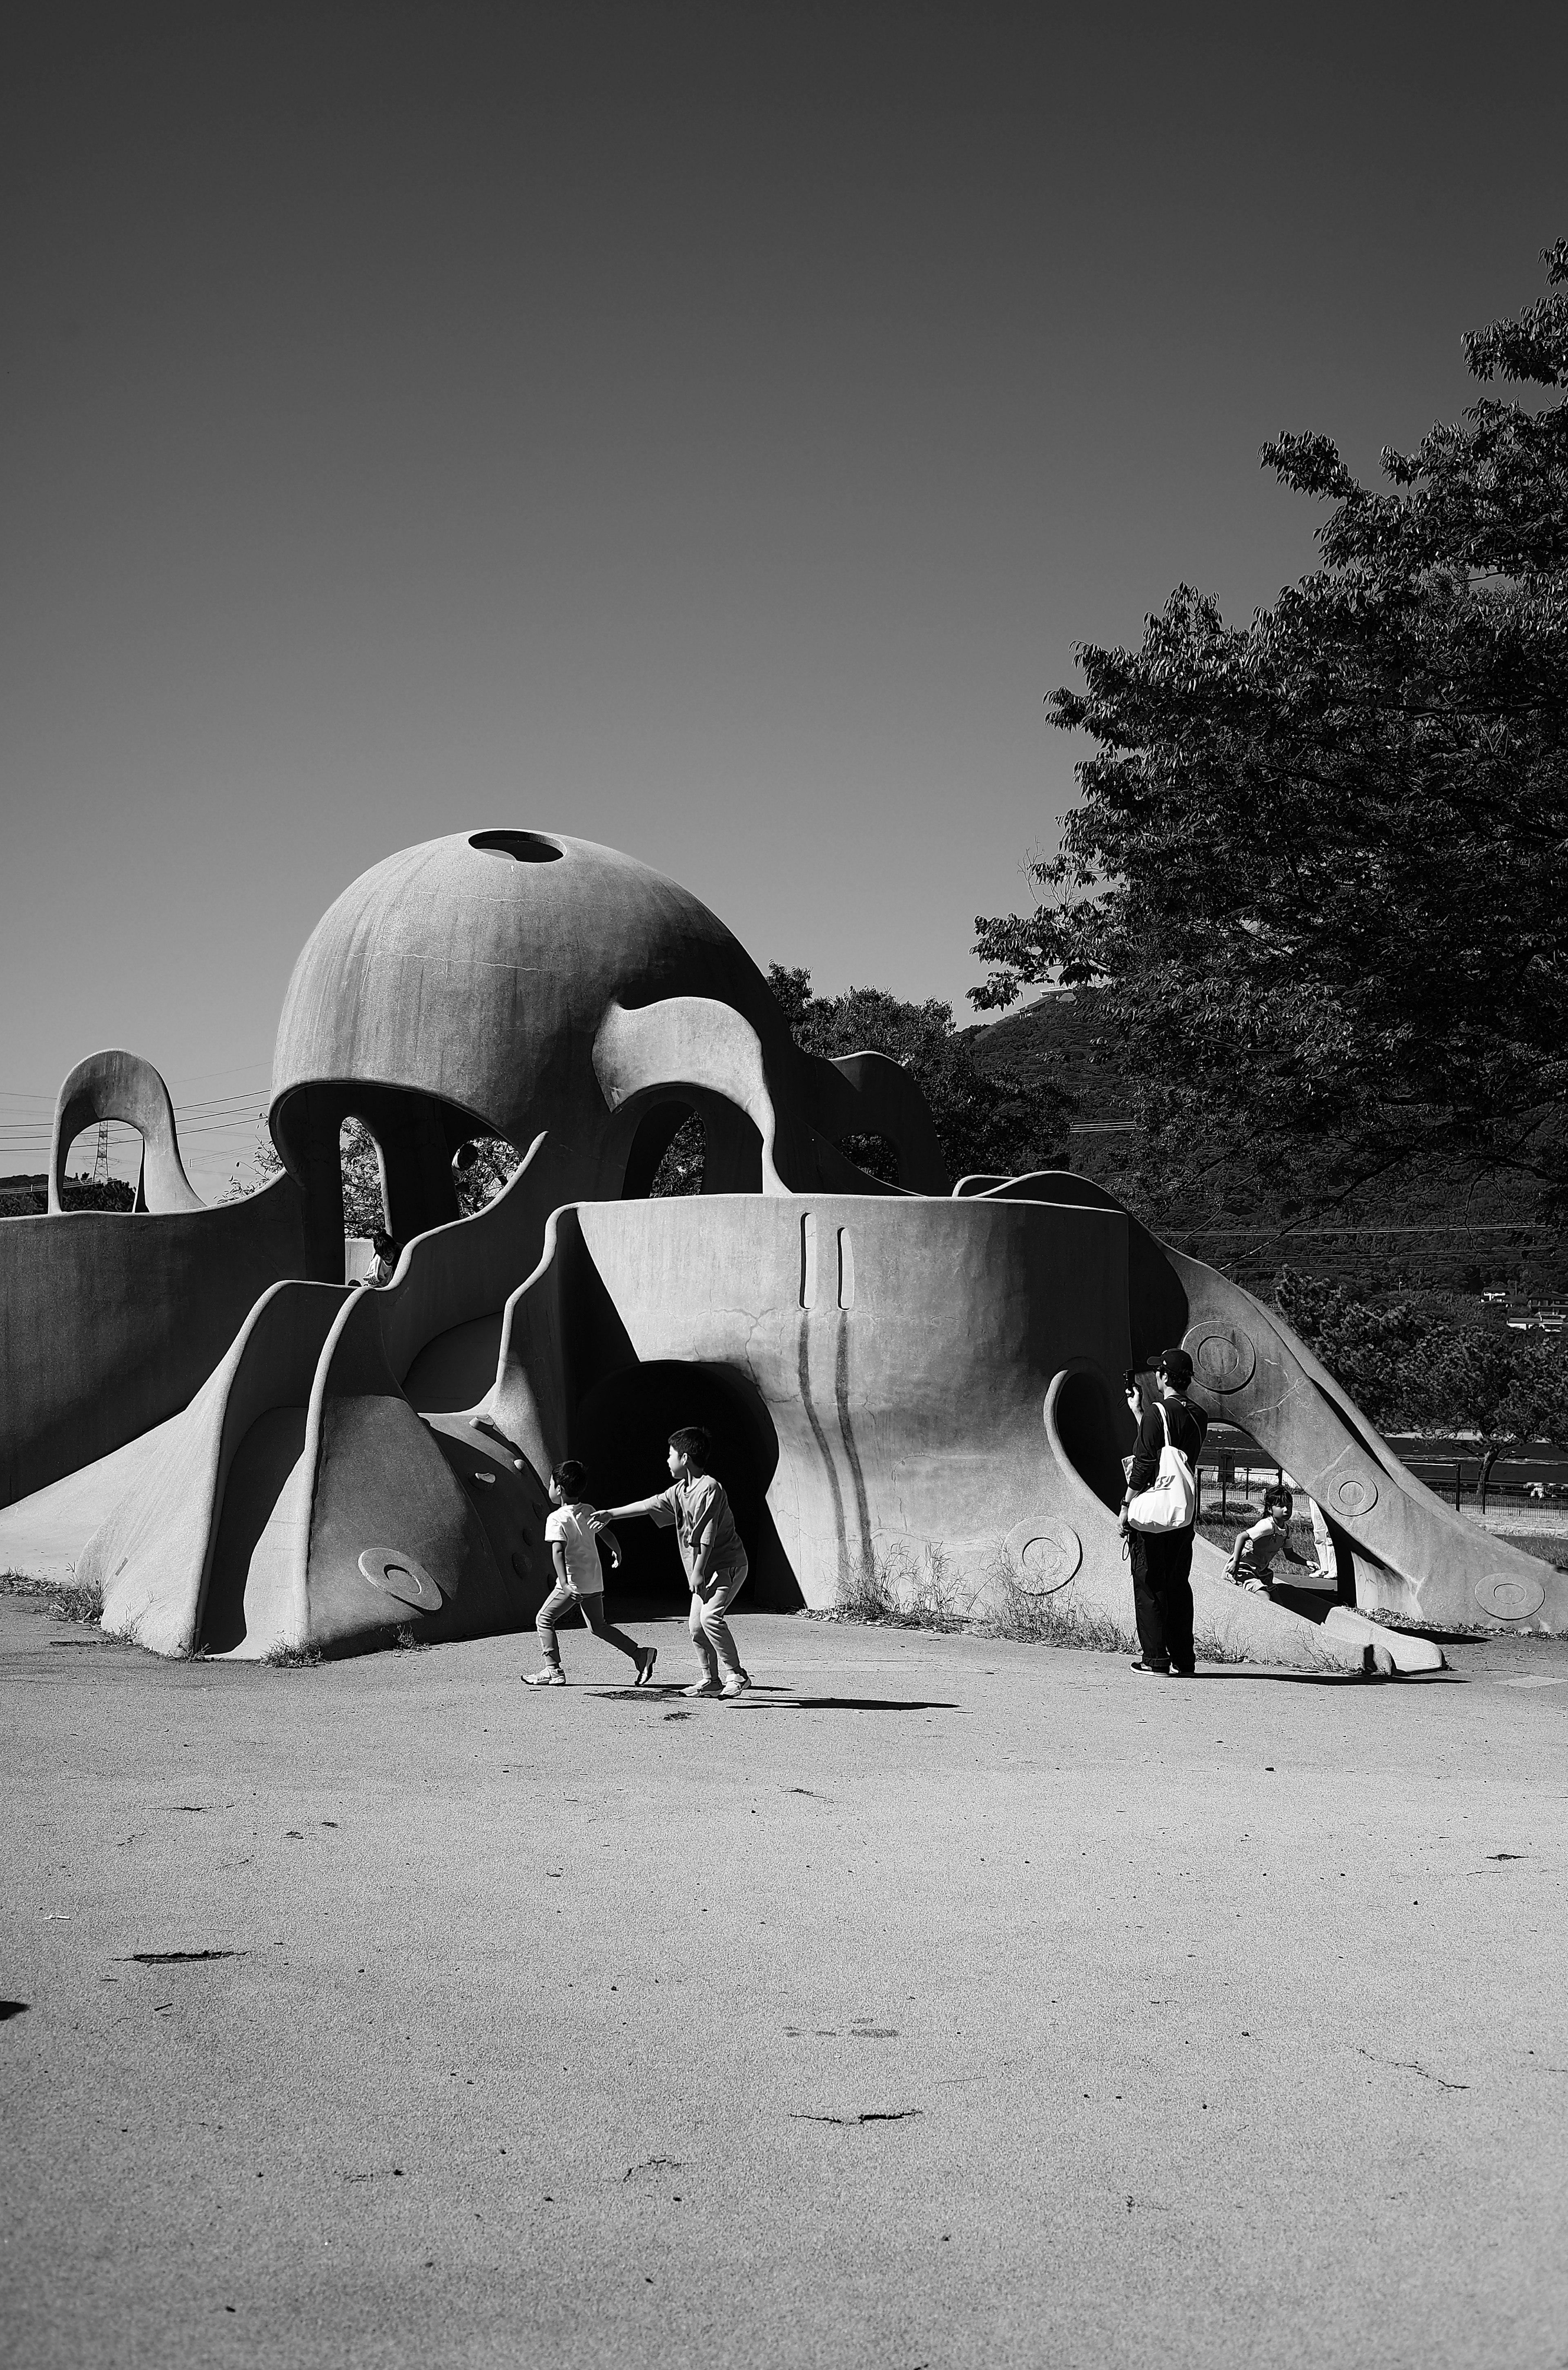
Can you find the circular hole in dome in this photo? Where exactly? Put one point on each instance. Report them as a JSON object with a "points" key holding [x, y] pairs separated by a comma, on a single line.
{"points": [[522, 846]]}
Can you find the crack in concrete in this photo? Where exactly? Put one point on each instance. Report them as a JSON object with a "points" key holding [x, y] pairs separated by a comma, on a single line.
{"points": [[872, 2115], [1411, 2066]]}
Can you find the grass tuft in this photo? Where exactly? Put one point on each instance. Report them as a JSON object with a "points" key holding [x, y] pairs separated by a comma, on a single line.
{"points": [[1026, 1619], [292, 1658], [902, 1590], [68, 1600]]}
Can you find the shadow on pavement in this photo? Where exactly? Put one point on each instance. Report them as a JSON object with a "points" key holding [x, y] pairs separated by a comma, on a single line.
{"points": [[756, 1700]]}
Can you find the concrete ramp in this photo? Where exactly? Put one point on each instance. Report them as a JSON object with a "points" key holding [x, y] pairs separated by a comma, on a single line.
{"points": [[328, 1482], [1402, 1550]]}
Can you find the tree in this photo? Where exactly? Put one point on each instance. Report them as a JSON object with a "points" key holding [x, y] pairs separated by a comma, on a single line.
{"points": [[264, 1167], [1411, 1367], [983, 1124], [1317, 870], [492, 1164]]}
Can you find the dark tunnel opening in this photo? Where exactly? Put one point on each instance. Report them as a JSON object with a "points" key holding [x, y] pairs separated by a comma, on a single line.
{"points": [[1094, 1429], [621, 1430]]}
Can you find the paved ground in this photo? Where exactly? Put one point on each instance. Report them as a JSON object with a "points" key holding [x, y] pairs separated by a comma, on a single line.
{"points": [[943, 2004]]}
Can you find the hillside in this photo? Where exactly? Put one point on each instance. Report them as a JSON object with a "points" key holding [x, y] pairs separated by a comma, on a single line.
{"points": [[1430, 1233]]}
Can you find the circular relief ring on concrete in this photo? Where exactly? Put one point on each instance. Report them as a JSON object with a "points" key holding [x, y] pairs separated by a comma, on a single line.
{"points": [[1353, 1494], [396, 1574], [1509, 1596], [1046, 1553], [1223, 1357]]}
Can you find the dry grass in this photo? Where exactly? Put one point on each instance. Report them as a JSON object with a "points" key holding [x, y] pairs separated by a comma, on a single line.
{"points": [[1055, 1620], [904, 1590], [64, 1598]]}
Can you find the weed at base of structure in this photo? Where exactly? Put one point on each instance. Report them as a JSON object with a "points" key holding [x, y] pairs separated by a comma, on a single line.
{"points": [[292, 1658], [902, 1591], [1026, 1620], [1211, 1649], [67, 1599], [406, 1642]]}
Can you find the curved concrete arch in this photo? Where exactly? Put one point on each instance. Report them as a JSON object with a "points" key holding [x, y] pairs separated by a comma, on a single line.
{"points": [[121, 1085], [871, 1094]]}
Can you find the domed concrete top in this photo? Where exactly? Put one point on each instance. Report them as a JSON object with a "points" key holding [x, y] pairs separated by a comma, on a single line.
{"points": [[476, 970]]}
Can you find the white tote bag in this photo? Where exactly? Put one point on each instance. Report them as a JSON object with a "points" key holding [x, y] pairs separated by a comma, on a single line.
{"points": [[1171, 1502]]}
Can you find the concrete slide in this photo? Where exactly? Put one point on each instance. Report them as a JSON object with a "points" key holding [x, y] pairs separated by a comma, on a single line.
{"points": [[919, 1386]]}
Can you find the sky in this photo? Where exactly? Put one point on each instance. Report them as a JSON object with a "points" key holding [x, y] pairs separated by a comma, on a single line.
{"points": [[704, 430]]}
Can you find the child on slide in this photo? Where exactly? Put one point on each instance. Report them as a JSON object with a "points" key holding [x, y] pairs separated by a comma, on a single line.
{"points": [[580, 1578], [710, 1547]]}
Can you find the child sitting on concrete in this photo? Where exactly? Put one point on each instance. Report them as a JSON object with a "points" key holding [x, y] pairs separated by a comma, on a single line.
{"points": [[1255, 1550], [571, 1532], [710, 1547]]}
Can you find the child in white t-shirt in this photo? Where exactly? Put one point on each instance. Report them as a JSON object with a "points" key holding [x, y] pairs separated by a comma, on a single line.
{"points": [[580, 1579], [1253, 1554], [710, 1547]]}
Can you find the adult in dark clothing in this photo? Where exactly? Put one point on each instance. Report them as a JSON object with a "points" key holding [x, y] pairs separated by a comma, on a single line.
{"points": [[1162, 1560]]}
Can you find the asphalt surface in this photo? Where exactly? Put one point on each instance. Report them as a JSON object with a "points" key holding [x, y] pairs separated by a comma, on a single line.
{"points": [[942, 2003]]}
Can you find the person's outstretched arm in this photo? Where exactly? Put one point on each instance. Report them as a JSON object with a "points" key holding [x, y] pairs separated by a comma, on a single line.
{"points": [[602, 1516]]}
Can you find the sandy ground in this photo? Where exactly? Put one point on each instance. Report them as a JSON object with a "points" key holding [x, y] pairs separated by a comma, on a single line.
{"points": [[941, 2003]]}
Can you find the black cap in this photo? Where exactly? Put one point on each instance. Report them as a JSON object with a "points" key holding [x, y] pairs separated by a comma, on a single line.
{"points": [[1176, 1366]]}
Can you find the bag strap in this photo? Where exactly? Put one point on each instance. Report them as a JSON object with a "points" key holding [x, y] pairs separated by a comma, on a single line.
{"points": [[1180, 1452]]}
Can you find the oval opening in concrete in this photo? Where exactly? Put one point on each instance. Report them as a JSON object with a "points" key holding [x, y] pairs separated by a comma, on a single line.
{"points": [[522, 846]]}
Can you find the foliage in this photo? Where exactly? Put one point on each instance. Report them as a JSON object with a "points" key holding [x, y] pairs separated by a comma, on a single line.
{"points": [[96, 1193], [28, 1197], [264, 1164], [1317, 866], [364, 1211], [1002, 1125], [681, 1170], [494, 1166], [1412, 1367]]}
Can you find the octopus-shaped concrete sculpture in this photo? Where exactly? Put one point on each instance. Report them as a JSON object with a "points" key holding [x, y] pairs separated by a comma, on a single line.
{"points": [[248, 1456]]}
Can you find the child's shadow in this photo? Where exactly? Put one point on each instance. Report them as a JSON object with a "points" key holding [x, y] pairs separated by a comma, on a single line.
{"points": [[756, 1700]]}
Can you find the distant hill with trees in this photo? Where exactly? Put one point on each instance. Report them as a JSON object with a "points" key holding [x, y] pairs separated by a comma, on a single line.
{"points": [[1428, 1229], [27, 1196]]}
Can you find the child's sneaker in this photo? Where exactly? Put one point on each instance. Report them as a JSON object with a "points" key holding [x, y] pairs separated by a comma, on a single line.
{"points": [[550, 1676], [645, 1663], [702, 1687], [736, 1685]]}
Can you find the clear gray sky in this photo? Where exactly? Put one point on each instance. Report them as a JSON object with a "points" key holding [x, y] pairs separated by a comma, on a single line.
{"points": [[706, 430]]}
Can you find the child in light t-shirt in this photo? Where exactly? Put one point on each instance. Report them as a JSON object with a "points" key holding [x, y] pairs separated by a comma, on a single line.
{"points": [[570, 1531], [1253, 1554], [710, 1547]]}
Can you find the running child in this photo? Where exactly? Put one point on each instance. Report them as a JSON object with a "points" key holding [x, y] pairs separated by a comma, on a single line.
{"points": [[571, 1531], [710, 1547]]}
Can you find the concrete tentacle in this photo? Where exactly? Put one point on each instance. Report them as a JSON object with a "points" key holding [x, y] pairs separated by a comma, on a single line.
{"points": [[1411, 1555], [153, 1557], [121, 1085]]}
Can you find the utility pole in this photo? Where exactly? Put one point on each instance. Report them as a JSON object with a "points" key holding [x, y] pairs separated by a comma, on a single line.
{"points": [[101, 1160]]}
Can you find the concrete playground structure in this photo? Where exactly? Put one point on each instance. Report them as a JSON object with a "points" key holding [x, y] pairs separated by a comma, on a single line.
{"points": [[248, 1455]]}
